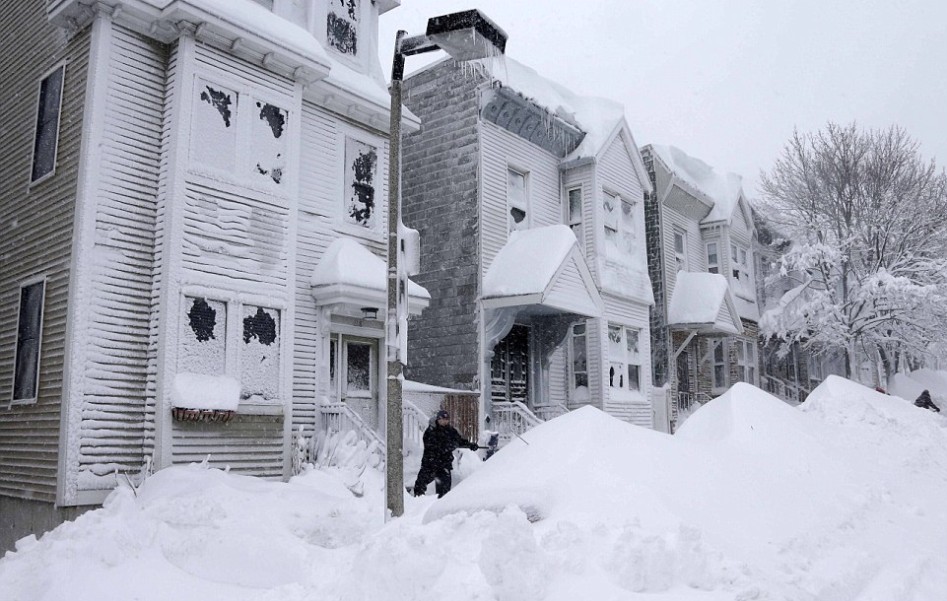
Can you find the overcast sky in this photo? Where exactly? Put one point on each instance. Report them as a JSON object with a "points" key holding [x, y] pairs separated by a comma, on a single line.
{"points": [[728, 80]]}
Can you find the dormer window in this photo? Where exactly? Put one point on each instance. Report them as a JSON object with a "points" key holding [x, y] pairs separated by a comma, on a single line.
{"points": [[342, 26]]}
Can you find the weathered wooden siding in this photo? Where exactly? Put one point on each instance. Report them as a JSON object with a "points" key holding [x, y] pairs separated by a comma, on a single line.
{"points": [[584, 177], [35, 237], [250, 445], [319, 216], [695, 247], [117, 310], [499, 151]]}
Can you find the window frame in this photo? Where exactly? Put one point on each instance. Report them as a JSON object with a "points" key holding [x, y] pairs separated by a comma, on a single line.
{"points": [[378, 186], [234, 304], [577, 222], [723, 364], [747, 362], [242, 172], [680, 257], [512, 225], [626, 360], [41, 281], [572, 358], [624, 237], [713, 266], [356, 57], [36, 124]]}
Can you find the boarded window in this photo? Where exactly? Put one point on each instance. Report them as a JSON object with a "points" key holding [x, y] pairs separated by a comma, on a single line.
{"points": [[268, 141], [47, 124], [260, 353], [361, 160], [203, 337], [28, 334], [517, 200], [342, 26], [214, 127]]}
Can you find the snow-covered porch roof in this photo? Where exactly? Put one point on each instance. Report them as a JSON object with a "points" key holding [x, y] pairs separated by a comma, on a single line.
{"points": [[542, 271], [702, 303], [350, 274]]}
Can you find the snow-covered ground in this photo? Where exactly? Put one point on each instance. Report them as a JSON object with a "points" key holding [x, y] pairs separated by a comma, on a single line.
{"points": [[842, 498]]}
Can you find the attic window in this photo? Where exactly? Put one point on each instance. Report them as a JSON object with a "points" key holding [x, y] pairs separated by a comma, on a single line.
{"points": [[342, 26], [361, 161]]}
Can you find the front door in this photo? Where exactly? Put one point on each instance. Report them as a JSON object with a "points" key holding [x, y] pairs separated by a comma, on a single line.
{"points": [[509, 370], [353, 366]]}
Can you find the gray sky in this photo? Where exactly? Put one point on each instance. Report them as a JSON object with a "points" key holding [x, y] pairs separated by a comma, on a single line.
{"points": [[727, 80]]}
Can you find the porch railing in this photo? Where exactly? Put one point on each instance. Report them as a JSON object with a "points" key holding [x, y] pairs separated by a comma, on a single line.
{"points": [[339, 417], [788, 391], [513, 418], [688, 401], [415, 423], [547, 412]]}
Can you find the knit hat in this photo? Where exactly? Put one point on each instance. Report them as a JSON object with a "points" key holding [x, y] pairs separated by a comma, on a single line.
{"points": [[443, 414]]}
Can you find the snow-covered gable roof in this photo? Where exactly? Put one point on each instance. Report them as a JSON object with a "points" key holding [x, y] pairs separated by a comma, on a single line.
{"points": [[702, 301], [725, 191], [351, 274], [542, 266], [600, 119]]}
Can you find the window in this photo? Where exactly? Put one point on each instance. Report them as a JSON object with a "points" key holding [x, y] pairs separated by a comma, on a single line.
{"points": [[235, 133], [575, 214], [342, 26], [746, 361], [28, 335], [580, 365], [517, 200], [624, 369], [738, 262], [619, 224], [267, 4], [720, 364], [46, 140], [680, 249], [204, 344], [713, 258], [361, 162]]}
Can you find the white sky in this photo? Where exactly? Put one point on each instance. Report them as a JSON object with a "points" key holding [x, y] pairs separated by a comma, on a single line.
{"points": [[726, 81]]}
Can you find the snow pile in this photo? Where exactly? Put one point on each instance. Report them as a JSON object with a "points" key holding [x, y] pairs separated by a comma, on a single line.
{"points": [[202, 391], [910, 385], [840, 498]]}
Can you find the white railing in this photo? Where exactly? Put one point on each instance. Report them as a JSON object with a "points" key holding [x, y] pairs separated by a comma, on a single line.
{"points": [[688, 401], [788, 391], [415, 423], [511, 419], [547, 412], [339, 418]]}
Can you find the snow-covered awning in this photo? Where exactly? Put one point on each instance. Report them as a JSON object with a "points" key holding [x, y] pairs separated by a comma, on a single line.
{"points": [[543, 271], [351, 274], [702, 303]]}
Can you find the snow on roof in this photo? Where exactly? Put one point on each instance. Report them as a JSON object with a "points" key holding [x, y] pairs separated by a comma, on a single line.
{"points": [[348, 264], [698, 298], [597, 117], [258, 20], [723, 189], [528, 261]]}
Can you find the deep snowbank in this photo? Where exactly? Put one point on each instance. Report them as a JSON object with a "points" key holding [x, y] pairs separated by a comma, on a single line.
{"points": [[843, 498]]}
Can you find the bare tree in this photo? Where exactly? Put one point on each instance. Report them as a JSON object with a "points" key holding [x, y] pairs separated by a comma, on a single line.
{"points": [[867, 216]]}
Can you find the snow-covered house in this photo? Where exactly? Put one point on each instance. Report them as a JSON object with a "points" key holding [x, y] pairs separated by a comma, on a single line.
{"points": [[705, 318], [192, 230], [529, 201]]}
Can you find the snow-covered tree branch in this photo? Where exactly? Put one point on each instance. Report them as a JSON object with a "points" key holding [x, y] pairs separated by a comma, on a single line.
{"points": [[867, 216]]}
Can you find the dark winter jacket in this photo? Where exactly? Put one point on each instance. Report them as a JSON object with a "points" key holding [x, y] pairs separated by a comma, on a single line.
{"points": [[924, 400], [439, 445]]}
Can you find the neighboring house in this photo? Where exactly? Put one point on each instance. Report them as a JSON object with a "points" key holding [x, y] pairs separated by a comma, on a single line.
{"points": [[193, 214], [529, 201], [705, 318], [789, 372]]}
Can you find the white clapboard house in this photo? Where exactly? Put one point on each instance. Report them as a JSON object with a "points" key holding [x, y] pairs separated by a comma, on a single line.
{"points": [[529, 201], [191, 260]]}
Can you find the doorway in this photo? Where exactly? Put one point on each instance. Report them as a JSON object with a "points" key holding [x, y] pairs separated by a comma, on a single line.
{"points": [[353, 374], [510, 367]]}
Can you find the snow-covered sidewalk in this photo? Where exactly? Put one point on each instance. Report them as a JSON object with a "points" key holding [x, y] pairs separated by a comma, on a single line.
{"points": [[843, 498]]}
